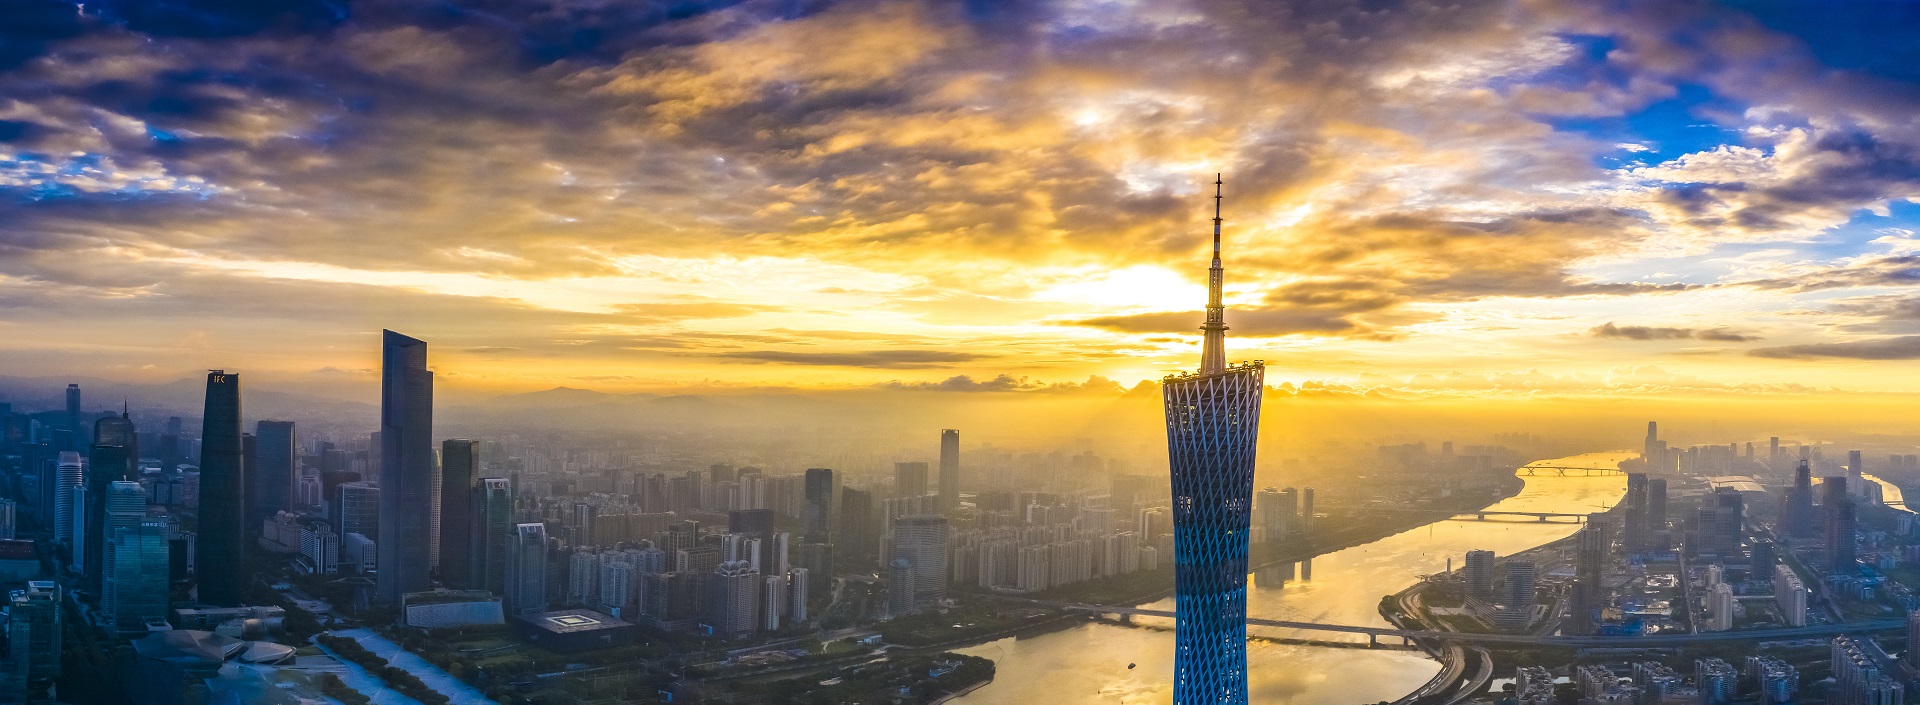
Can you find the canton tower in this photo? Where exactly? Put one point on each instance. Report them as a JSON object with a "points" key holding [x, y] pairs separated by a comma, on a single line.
{"points": [[1213, 422]]}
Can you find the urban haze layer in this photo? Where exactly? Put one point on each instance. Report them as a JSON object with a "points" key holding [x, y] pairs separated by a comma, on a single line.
{"points": [[885, 352]]}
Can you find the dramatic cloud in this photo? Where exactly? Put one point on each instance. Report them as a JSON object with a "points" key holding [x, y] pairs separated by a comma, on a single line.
{"points": [[1905, 347], [657, 192], [1609, 330], [884, 359], [1007, 383]]}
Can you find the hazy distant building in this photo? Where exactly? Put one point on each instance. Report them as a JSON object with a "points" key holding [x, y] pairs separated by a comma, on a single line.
{"points": [[73, 412], [949, 471], [222, 532], [1270, 522], [857, 523], [818, 515], [409, 486], [900, 587], [1213, 422], [909, 479], [459, 471], [733, 608]]}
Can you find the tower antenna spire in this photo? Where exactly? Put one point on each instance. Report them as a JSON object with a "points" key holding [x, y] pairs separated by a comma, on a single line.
{"points": [[1213, 352]]}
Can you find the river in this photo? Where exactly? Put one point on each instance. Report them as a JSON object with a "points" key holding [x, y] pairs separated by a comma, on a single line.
{"points": [[1087, 664], [1890, 494]]}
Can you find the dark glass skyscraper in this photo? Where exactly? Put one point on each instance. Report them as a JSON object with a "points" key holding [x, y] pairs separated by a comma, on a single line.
{"points": [[949, 471], [222, 532], [115, 450], [274, 452], [407, 486], [1799, 509], [818, 512], [1841, 525], [1213, 423], [73, 412], [459, 470], [492, 530]]}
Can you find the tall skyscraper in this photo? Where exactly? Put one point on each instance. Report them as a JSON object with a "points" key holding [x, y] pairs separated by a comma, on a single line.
{"points": [[407, 470], [115, 450], [1840, 525], [1590, 564], [73, 412], [817, 515], [68, 474], [949, 471], [1635, 529], [526, 570], [275, 448], [1799, 514], [459, 469], [135, 589], [909, 479], [1213, 423], [218, 545], [492, 532], [856, 531]]}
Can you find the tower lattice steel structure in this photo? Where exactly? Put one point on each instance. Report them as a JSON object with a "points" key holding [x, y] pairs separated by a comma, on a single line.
{"points": [[1213, 423]]}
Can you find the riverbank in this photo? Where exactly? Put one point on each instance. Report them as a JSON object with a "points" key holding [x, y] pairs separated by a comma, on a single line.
{"points": [[1351, 568], [1338, 537], [973, 627]]}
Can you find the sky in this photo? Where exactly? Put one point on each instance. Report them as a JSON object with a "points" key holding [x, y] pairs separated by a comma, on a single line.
{"points": [[1454, 200]]}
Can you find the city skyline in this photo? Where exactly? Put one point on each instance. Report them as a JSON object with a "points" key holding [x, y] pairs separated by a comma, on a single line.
{"points": [[1663, 223], [858, 351]]}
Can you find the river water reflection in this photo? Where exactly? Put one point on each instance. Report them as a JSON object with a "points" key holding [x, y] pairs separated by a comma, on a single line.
{"points": [[1088, 664]]}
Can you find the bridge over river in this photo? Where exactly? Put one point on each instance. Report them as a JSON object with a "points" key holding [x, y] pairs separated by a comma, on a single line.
{"points": [[1647, 641]]}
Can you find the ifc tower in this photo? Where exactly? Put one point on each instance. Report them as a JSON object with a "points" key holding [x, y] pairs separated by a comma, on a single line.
{"points": [[1213, 424]]}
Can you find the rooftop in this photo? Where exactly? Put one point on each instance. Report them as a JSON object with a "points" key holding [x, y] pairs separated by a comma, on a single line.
{"points": [[574, 621]]}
